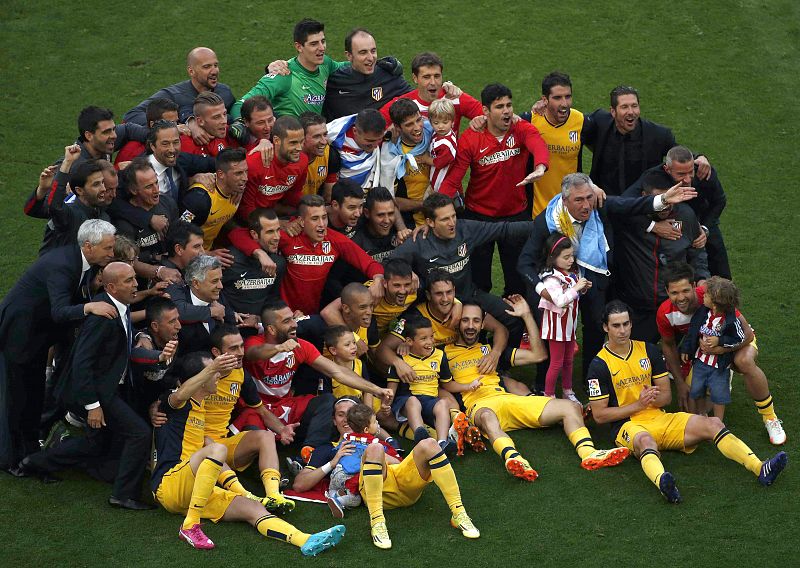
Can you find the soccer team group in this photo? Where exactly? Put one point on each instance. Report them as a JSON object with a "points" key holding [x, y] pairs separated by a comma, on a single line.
{"points": [[302, 266]]}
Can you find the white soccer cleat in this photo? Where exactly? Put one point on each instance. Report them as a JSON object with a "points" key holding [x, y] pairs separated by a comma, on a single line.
{"points": [[777, 436]]}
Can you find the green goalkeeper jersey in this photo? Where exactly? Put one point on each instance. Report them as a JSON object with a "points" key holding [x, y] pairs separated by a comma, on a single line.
{"points": [[300, 91]]}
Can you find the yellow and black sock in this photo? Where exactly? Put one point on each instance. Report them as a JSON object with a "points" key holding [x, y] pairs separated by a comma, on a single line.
{"points": [[453, 413], [271, 478], [766, 409], [445, 479], [582, 441], [230, 481], [652, 466], [734, 449], [204, 481], [505, 448], [372, 476], [273, 527]]}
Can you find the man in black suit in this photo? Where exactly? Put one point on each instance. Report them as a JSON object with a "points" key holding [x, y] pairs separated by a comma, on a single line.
{"points": [[624, 145], [579, 202], [99, 366], [38, 312]]}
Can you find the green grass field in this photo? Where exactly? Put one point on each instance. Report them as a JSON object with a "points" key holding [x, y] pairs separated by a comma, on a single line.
{"points": [[723, 75]]}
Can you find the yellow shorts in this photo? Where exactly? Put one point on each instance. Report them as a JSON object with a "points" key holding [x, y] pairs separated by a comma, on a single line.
{"points": [[402, 485], [175, 492], [513, 411], [668, 429], [232, 442]]}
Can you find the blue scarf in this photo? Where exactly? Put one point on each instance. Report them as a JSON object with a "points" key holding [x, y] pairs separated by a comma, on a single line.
{"points": [[592, 247]]}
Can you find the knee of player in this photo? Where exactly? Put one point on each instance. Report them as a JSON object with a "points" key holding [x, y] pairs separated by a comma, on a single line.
{"points": [[644, 441], [265, 438], [714, 425], [217, 451], [374, 453], [428, 447]]}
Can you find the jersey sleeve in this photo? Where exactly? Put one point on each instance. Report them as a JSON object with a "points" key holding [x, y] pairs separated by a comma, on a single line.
{"points": [[373, 335], [598, 380], [270, 86], [659, 367], [470, 106], [307, 353], [507, 357], [535, 144], [444, 370], [321, 455], [355, 256], [250, 391], [664, 327]]}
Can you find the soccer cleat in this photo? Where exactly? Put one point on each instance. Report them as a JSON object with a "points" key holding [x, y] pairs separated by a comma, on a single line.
{"points": [[380, 536], [771, 468], [322, 541], [666, 484], [295, 465], [305, 454], [277, 503], [196, 537], [420, 434], [604, 458], [777, 436], [336, 507], [570, 395], [474, 439], [448, 447], [518, 467], [463, 523]]}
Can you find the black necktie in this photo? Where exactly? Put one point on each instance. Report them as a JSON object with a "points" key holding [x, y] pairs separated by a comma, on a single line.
{"points": [[85, 286]]}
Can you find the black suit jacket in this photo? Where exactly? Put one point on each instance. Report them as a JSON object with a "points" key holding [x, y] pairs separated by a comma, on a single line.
{"points": [[193, 335], [98, 360], [43, 304]]}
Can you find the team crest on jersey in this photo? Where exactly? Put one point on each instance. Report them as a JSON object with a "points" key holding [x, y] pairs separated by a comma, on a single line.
{"points": [[462, 250], [187, 216], [573, 136], [235, 389], [484, 350], [290, 360], [377, 93], [510, 142], [326, 247], [321, 170], [644, 364], [400, 326], [220, 147], [594, 387], [434, 365], [290, 180]]}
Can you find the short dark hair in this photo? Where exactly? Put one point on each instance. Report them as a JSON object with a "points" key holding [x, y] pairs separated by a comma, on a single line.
{"points": [[657, 179], [269, 309], [309, 118], [426, 59], [156, 308], [193, 364], [397, 267], [345, 188], [555, 79], [305, 28], [348, 39], [229, 156], [433, 203], [439, 275], [204, 100], [359, 417], [222, 331], [179, 234], [469, 302], [89, 118], [309, 201], [253, 104], [82, 171], [333, 333], [617, 92], [492, 92], [128, 175], [157, 127], [677, 271], [284, 124], [377, 195], [255, 216], [401, 110], [616, 307], [370, 120], [413, 324], [350, 290], [157, 107]]}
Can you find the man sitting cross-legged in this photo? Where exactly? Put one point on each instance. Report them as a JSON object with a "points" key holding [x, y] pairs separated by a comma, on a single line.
{"points": [[185, 478], [495, 411]]}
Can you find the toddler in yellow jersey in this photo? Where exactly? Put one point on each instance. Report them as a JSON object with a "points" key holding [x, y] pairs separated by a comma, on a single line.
{"points": [[417, 401]]}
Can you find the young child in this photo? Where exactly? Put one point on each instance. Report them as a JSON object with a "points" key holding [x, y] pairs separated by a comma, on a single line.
{"points": [[714, 325], [442, 114], [418, 402], [559, 290], [341, 344]]}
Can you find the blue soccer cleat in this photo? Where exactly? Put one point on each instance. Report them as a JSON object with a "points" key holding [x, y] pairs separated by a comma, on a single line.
{"points": [[322, 541], [666, 484], [771, 468]]}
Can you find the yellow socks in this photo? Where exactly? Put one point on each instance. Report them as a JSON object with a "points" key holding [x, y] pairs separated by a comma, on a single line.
{"points": [[273, 527], [445, 479], [505, 448], [204, 481], [271, 479], [582, 441], [766, 409], [734, 449], [372, 477], [652, 466], [228, 480]]}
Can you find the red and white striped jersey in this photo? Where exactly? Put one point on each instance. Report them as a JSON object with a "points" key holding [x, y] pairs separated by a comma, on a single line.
{"points": [[443, 152], [560, 317], [712, 327]]}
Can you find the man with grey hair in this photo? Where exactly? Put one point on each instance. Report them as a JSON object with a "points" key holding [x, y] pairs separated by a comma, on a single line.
{"points": [[48, 300], [575, 215]]}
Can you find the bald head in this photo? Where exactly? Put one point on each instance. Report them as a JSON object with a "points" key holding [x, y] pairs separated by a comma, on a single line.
{"points": [[114, 272], [203, 68], [119, 280], [353, 292]]}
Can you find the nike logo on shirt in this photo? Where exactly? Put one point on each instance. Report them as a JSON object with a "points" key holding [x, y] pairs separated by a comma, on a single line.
{"points": [[484, 149]]}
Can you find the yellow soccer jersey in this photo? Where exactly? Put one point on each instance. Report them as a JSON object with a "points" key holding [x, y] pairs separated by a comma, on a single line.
{"points": [[442, 335], [564, 145], [317, 173], [621, 379], [219, 405], [221, 211], [464, 363], [385, 313], [417, 181], [343, 390], [431, 371]]}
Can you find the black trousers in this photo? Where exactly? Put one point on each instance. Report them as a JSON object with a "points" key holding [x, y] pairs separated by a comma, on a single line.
{"points": [[123, 424], [481, 257], [22, 386], [315, 425], [718, 263]]}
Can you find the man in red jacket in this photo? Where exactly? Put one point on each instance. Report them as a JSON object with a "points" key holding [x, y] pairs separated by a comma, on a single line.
{"points": [[310, 256], [497, 158]]}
